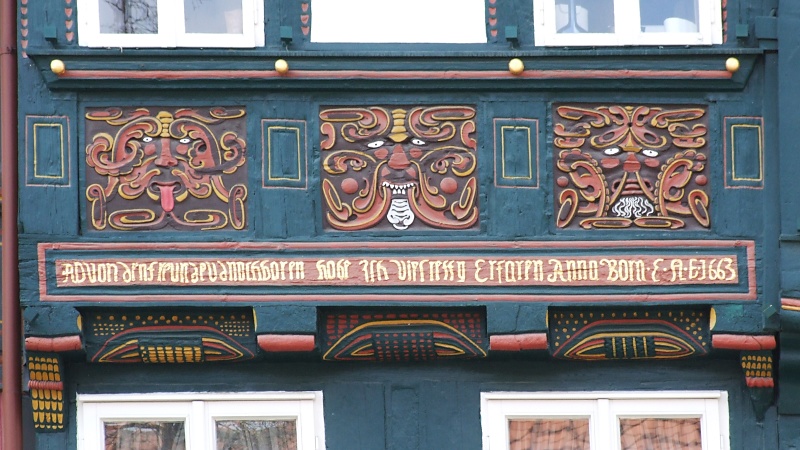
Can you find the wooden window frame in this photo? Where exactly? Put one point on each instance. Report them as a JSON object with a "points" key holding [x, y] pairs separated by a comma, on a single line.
{"points": [[198, 411], [353, 22], [604, 409], [627, 28], [171, 31]]}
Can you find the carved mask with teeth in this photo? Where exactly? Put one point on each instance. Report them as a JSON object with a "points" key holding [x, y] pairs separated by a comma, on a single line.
{"points": [[400, 168]]}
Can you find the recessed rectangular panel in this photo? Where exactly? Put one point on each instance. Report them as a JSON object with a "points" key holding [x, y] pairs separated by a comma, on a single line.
{"points": [[744, 152], [284, 150], [516, 152], [47, 151]]}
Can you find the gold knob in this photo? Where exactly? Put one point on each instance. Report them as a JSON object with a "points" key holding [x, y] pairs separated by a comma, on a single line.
{"points": [[57, 66], [515, 66], [732, 65], [281, 66]]}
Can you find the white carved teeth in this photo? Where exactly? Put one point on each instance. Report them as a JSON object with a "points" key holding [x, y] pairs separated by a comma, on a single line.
{"points": [[397, 188]]}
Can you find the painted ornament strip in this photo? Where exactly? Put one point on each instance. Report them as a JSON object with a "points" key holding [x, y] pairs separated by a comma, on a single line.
{"points": [[618, 167], [399, 168], [177, 169]]}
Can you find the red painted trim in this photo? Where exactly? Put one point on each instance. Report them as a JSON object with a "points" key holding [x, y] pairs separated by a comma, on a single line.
{"points": [[56, 344], [391, 74], [743, 342], [518, 342], [387, 245], [423, 298], [760, 382], [47, 385], [790, 302], [275, 343]]}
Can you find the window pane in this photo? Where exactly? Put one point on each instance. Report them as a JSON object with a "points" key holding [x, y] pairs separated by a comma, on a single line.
{"points": [[213, 16], [144, 436], [256, 435], [675, 16], [660, 434], [128, 16], [582, 16], [548, 434]]}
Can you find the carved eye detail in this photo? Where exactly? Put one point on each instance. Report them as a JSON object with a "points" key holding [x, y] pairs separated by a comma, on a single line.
{"points": [[650, 153], [147, 139], [611, 151], [185, 141], [416, 141], [375, 144]]}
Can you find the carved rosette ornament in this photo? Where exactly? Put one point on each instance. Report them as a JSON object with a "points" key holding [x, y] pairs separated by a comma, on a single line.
{"points": [[178, 169], [631, 166], [405, 168]]}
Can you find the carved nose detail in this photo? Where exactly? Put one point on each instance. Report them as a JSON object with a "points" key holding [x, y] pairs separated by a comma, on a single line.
{"points": [[165, 158], [631, 163], [398, 160]]}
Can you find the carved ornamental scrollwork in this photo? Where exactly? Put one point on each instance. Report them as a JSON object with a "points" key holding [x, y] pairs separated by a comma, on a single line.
{"points": [[399, 168], [166, 168], [631, 166]]}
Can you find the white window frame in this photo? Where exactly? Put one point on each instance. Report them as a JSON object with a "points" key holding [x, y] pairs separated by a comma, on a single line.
{"points": [[199, 411], [418, 21], [171, 29], [627, 27], [604, 409]]}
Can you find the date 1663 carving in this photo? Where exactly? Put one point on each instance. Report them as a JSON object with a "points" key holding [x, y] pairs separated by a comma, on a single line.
{"points": [[631, 166], [179, 169], [398, 169]]}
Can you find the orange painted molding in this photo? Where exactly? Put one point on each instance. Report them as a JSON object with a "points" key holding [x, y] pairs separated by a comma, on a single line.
{"points": [[56, 344], [743, 342], [277, 343], [518, 342]]}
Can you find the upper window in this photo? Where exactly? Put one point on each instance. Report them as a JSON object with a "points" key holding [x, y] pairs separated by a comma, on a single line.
{"points": [[170, 23], [201, 421], [398, 21], [627, 22], [693, 420]]}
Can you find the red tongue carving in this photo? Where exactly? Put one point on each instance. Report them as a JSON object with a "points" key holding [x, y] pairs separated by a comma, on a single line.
{"points": [[167, 199]]}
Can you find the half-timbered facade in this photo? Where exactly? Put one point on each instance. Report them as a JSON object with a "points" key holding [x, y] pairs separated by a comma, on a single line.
{"points": [[482, 224]]}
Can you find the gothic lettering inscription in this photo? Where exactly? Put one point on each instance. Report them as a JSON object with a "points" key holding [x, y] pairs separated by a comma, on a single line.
{"points": [[608, 270], [631, 166]]}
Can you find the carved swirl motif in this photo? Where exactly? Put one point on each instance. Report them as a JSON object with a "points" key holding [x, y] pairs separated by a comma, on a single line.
{"points": [[179, 169], [400, 168], [625, 166]]}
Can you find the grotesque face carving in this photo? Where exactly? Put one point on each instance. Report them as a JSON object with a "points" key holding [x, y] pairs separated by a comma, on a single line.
{"points": [[631, 166], [408, 168], [180, 170]]}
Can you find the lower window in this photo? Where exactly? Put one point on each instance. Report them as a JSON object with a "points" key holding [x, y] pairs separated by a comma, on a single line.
{"points": [[624, 420], [201, 421]]}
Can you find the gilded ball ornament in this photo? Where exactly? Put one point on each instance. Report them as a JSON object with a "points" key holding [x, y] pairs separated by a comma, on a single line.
{"points": [[515, 66], [281, 66], [57, 66], [732, 64]]}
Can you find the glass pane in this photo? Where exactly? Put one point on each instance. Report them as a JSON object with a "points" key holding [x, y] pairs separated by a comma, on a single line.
{"points": [[585, 16], [660, 434], [548, 434], [256, 435], [213, 16], [144, 436], [128, 16], [674, 16]]}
